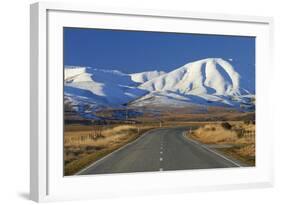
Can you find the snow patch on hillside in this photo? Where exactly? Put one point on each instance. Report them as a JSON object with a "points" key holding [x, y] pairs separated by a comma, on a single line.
{"points": [[145, 76]]}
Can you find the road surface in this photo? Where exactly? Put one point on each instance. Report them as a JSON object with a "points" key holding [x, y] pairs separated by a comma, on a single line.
{"points": [[160, 150]]}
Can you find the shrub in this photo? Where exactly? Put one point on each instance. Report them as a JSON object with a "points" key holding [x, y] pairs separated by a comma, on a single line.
{"points": [[226, 125]]}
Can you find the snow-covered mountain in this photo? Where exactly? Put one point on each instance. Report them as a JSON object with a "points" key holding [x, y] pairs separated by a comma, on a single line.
{"points": [[146, 76], [208, 76], [99, 87], [211, 81]]}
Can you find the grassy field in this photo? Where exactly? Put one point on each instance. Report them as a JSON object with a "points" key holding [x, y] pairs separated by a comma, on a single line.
{"points": [[236, 139]]}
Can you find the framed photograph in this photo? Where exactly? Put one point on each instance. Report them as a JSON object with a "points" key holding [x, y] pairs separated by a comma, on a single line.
{"points": [[129, 102]]}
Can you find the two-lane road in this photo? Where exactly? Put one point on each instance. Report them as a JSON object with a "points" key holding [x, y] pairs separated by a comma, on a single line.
{"points": [[159, 150]]}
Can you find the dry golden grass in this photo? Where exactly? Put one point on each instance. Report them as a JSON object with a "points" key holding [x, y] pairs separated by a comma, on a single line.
{"points": [[247, 151], [214, 134], [240, 136], [105, 137]]}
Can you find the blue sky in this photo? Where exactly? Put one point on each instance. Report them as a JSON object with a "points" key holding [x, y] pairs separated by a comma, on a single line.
{"points": [[137, 51]]}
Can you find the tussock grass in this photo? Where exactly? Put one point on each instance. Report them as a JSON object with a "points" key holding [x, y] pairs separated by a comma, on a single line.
{"points": [[104, 138], [240, 135], [214, 134]]}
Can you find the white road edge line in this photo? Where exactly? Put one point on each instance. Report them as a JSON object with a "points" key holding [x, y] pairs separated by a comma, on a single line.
{"points": [[108, 155], [213, 151]]}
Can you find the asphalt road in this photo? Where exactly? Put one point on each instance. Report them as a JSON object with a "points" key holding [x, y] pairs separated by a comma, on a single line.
{"points": [[160, 150]]}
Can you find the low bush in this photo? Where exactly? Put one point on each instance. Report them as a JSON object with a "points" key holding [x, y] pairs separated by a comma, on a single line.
{"points": [[226, 125]]}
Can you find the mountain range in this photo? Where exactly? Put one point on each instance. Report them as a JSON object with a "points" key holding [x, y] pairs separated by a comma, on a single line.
{"points": [[206, 82]]}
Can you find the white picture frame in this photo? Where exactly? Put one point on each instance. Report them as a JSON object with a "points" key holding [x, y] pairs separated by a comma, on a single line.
{"points": [[46, 178]]}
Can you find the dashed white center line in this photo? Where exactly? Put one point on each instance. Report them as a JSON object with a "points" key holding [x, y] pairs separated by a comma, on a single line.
{"points": [[161, 153]]}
